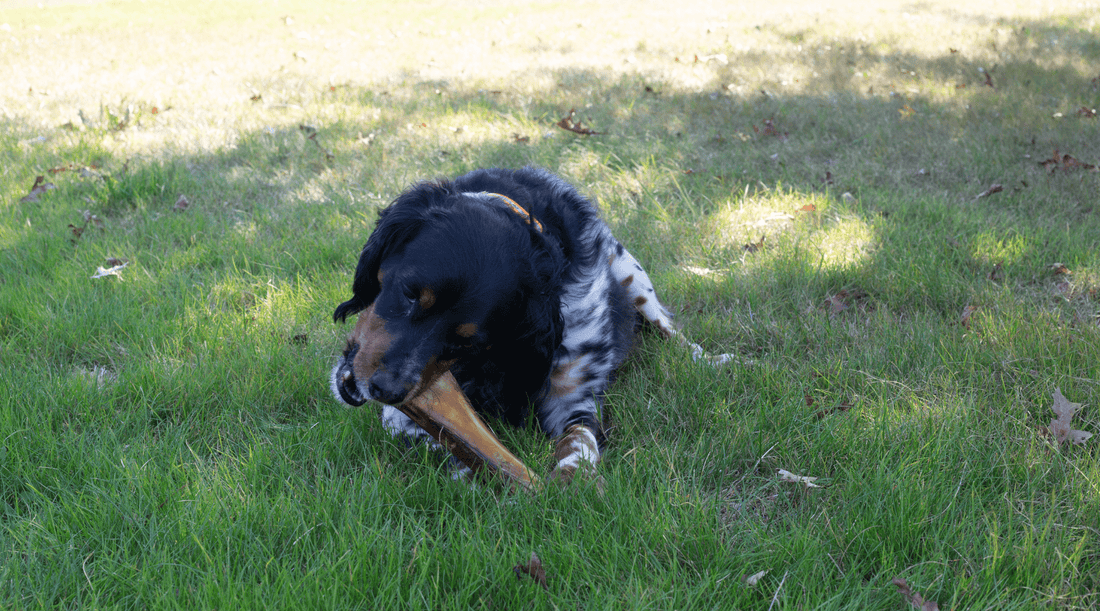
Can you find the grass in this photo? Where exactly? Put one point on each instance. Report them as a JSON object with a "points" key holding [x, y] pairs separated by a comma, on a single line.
{"points": [[800, 181]]}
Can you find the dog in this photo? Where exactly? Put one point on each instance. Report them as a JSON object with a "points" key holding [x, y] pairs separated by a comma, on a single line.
{"points": [[512, 281]]}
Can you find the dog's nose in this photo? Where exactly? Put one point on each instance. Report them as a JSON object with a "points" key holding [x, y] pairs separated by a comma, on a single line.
{"points": [[386, 389]]}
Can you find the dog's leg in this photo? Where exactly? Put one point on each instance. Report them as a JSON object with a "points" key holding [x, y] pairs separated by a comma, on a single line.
{"points": [[639, 288], [576, 452], [570, 411]]}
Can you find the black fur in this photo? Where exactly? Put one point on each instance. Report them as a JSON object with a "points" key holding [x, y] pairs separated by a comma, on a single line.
{"points": [[553, 306]]}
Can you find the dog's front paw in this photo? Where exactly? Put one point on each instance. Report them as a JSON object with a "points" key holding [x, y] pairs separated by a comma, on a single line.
{"points": [[576, 454]]}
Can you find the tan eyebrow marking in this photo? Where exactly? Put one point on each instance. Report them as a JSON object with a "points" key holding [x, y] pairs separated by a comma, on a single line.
{"points": [[427, 298], [466, 329]]}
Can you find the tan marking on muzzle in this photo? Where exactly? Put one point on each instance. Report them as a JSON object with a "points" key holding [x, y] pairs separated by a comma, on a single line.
{"points": [[374, 340]]}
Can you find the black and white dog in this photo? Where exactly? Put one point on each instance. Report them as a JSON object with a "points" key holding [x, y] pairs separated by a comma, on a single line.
{"points": [[511, 280]]}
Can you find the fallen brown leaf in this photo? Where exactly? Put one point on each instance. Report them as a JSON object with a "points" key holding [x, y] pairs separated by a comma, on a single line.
{"points": [[968, 311], [771, 130], [534, 569], [76, 231], [994, 188], [836, 304], [40, 186], [1060, 427], [914, 598], [1058, 269], [755, 246], [63, 168], [567, 123], [181, 203], [1066, 162], [838, 409]]}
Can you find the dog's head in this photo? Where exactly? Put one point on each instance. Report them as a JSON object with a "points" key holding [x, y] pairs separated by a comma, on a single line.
{"points": [[445, 276]]}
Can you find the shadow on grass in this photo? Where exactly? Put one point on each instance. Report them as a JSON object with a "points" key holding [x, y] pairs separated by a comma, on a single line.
{"points": [[287, 207]]}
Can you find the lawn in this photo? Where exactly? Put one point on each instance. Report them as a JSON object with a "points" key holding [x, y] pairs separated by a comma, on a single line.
{"points": [[891, 213]]}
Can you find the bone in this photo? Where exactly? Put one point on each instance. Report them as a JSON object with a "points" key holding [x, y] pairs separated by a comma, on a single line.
{"points": [[445, 413]]}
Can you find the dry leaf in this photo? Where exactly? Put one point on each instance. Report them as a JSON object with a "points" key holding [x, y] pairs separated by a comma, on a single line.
{"points": [[1060, 427], [836, 304], [520, 138], [771, 130], [40, 186], [988, 79], [532, 568], [311, 135], [808, 208], [914, 598], [93, 219], [787, 476], [89, 218], [1085, 111], [181, 203], [994, 188], [63, 168], [839, 409], [755, 246], [1066, 162], [114, 270], [968, 311], [755, 578], [567, 123], [1059, 268]]}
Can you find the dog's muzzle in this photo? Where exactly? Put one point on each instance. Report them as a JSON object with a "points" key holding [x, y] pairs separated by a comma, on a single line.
{"points": [[343, 380]]}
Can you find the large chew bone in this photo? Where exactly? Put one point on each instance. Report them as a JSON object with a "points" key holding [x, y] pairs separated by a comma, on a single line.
{"points": [[443, 411]]}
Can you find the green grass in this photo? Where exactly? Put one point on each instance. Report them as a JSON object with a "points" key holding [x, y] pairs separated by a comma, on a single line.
{"points": [[167, 438]]}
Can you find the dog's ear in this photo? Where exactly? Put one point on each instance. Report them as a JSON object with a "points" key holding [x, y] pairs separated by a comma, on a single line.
{"points": [[397, 225]]}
